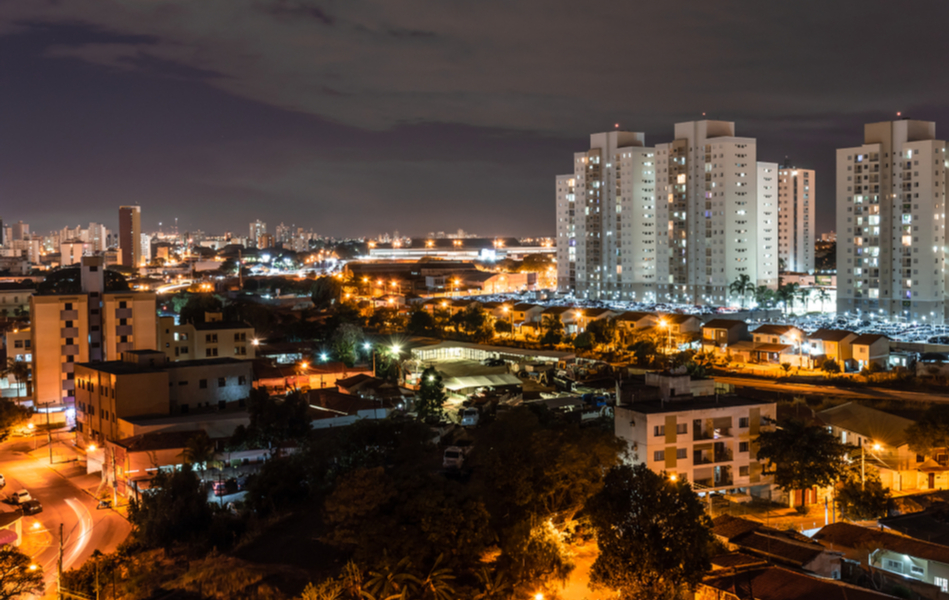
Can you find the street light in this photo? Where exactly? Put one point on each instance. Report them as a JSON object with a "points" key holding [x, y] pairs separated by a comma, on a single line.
{"points": [[874, 447]]}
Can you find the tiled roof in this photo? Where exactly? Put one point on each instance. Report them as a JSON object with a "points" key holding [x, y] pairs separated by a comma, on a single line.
{"points": [[729, 527], [774, 329], [830, 335], [736, 559], [867, 339], [779, 547], [779, 583], [329, 403], [723, 324], [846, 535], [635, 316]]}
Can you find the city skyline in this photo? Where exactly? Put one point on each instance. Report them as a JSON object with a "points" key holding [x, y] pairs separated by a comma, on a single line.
{"points": [[416, 124]]}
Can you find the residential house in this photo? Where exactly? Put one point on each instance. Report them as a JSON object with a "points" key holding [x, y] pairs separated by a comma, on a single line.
{"points": [[787, 548], [871, 348], [14, 298], [282, 378], [628, 323], [761, 582], [707, 440], [771, 344], [330, 408], [919, 565], [584, 317], [882, 438], [720, 333], [830, 343], [928, 525]]}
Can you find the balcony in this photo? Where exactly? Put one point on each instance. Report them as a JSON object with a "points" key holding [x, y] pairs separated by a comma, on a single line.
{"points": [[69, 332], [123, 313], [68, 315]]}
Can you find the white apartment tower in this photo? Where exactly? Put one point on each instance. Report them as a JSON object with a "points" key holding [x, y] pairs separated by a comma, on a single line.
{"points": [[892, 223], [796, 219], [255, 231], [708, 207], [606, 221]]}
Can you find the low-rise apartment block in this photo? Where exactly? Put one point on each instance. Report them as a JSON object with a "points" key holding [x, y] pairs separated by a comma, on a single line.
{"points": [[214, 338]]}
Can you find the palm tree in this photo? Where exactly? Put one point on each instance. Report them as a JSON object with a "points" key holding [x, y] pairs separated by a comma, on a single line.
{"points": [[20, 371], [199, 452], [823, 296], [436, 585], [493, 588], [786, 294], [391, 582], [741, 287], [803, 295]]}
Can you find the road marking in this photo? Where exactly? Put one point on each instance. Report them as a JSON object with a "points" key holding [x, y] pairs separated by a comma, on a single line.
{"points": [[81, 538]]}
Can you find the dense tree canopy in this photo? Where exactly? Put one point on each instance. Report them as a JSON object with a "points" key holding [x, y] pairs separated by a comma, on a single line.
{"points": [[174, 510], [930, 432], [801, 456], [653, 534]]}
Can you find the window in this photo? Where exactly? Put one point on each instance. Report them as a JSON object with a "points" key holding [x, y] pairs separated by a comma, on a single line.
{"points": [[743, 422], [915, 570], [211, 352], [123, 304], [659, 455], [182, 383], [744, 471], [203, 384], [894, 566], [680, 428], [941, 582], [242, 380], [743, 446], [69, 306], [659, 430], [222, 382], [680, 453]]}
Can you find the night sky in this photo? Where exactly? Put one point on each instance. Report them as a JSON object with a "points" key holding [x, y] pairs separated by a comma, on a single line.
{"points": [[355, 118]]}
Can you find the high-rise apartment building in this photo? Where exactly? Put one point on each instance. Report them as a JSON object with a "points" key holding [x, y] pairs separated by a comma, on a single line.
{"points": [[606, 221], [89, 324], [256, 230], [796, 219], [130, 235], [675, 223], [708, 187], [892, 223]]}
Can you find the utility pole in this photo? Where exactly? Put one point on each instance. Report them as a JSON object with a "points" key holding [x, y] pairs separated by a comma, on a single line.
{"points": [[59, 573], [49, 434]]}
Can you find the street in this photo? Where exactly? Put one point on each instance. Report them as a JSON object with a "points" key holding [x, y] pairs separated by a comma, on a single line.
{"points": [[806, 389], [86, 528]]}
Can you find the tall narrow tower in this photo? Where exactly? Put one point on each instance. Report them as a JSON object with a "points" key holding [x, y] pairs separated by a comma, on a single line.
{"points": [[130, 235]]}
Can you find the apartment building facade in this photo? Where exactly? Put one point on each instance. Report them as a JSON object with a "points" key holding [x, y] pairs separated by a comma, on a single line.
{"points": [[676, 223], [796, 219], [211, 339], [130, 235], [892, 223], [709, 441], [90, 325]]}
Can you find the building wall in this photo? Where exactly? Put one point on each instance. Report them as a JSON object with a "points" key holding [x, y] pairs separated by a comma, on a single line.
{"points": [[130, 235], [892, 211], [184, 342], [59, 330], [797, 219], [11, 300], [129, 322], [103, 398], [207, 386], [679, 448]]}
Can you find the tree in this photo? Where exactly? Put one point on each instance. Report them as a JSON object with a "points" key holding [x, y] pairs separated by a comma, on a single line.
{"points": [[346, 342], [431, 395], [645, 552], [552, 324], [196, 306], [391, 580], [603, 331], [859, 501], [503, 327], [19, 370], [324, 292], [12, 414], [801, 456], [830, 366], [273, 420], [173, 510], [764, 296], [644, 351], [494, 586], [584, 341], [803, 295], [786, 366], [742, 287], [199, 452], [421, 322], [436, 584], [786, 294], [18, 575], [930, 432], [823, 296]]}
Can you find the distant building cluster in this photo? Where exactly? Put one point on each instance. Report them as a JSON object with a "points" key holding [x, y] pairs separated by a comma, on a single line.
{"points": [[682, 221]]}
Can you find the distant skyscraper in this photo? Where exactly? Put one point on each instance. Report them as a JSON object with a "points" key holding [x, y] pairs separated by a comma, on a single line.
{"points": [[892, 223], [130, 234], [21, 231], [256, 230], [796, 219]]}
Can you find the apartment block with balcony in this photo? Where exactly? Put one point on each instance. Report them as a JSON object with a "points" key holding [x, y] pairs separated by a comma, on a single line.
{"points": [[708, 441], [212, 339], [892, 223]]}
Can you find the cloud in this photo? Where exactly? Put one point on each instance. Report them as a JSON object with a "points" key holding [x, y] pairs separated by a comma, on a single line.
{"points": [[550, 66]]}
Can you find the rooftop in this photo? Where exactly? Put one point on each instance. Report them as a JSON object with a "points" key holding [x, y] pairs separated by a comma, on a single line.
{"points": [[870, 423], [867, 339], [218, 325], [929, 525], [846, 535], [775, 329], [689, 403], [724, 324], [119, 367], [830, 335], [779, 583]]}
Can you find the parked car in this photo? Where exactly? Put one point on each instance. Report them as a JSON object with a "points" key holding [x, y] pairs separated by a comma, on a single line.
{"points": [[469, 417], [31, 507], [454, 457], [494, 362], [20, 497], [219, 488]]}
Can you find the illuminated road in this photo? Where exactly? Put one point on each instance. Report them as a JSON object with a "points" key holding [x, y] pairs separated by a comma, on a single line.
{"points": [[805, 389], [86, 528]]}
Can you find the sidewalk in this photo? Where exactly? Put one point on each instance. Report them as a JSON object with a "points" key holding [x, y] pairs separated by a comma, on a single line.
{"points": [[36, 538]]}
